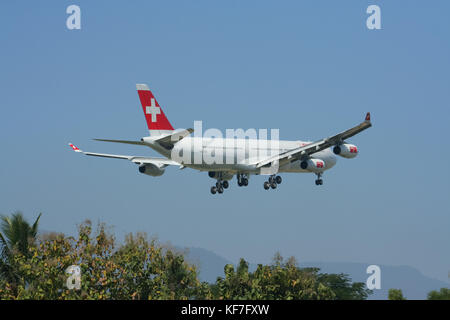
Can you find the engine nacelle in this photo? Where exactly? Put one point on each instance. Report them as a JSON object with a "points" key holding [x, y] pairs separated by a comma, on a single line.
{"points": [[222, 175], [313, 165], [151, 169], [346, 150]]}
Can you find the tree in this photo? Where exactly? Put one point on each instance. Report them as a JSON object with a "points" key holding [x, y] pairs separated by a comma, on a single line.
{"points": [[15, 237], [140, 269], [343, 288], [145, 269], [443, 294], [153, 271], [395, 294], [16, 232], [286, 281]]}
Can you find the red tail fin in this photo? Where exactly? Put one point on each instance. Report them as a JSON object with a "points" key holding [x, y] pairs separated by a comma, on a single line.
{"points": [[156, 119]]}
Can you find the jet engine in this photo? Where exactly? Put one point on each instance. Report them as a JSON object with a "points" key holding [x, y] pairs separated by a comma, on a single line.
{"points": [[313, 165], [346, 150], [151, 169]]}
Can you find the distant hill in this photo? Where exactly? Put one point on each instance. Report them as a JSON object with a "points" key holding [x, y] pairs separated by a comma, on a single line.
{"points": [[414, 284], [210, 264]]}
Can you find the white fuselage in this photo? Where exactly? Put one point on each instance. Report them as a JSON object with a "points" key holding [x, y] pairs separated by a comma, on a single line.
{"points": [[235, 155]]}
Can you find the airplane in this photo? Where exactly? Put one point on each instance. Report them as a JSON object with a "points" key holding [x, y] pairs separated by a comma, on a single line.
{"points": [[248, 156]]}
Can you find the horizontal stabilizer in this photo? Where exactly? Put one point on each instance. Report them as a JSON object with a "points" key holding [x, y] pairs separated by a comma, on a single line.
{"points": [[175, 137]]}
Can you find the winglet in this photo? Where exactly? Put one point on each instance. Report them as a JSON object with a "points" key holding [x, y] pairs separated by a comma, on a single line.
{"points": [[368, 116], [75, 148]]}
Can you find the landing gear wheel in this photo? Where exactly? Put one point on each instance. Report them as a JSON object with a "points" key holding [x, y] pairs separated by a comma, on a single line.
{"points": [[220, 190], [213, 190], [218, 184], [319, 180], [278, 179], [273, 185], [225, 184], [242, 179], [266, 185]]}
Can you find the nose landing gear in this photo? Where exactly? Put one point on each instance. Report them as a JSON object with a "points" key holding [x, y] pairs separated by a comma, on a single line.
{"points": [[319, 180]]}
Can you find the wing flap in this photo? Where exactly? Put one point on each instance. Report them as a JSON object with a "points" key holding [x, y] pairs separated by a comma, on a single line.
{"points": [[167, 162]]}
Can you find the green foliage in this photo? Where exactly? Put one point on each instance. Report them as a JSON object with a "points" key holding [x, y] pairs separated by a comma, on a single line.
{"points": [[443, 294], [344, 289], [395, 294], [140, 269], [284, 280], [16, 233], [145, 269], [15, 238]]}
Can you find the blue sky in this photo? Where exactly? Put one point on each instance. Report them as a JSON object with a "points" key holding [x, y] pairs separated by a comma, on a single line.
{"points": [[309, 68]]}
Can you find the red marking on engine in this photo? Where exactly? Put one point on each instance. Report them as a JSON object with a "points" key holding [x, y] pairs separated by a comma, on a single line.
{"points": [[319, 164], [353, 150]]}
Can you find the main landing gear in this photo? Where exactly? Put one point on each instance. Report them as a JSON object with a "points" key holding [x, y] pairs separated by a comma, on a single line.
{"points": [[220, 186], [242, 179], [319, 180], [272, 182]]}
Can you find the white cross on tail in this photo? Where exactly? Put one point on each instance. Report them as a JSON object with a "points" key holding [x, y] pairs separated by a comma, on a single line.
{"points": [[153, 109]]}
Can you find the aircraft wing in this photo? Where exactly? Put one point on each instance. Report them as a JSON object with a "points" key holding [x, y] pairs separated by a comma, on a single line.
{"points": [[135, 159], [122, 141], [305, 151]]}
